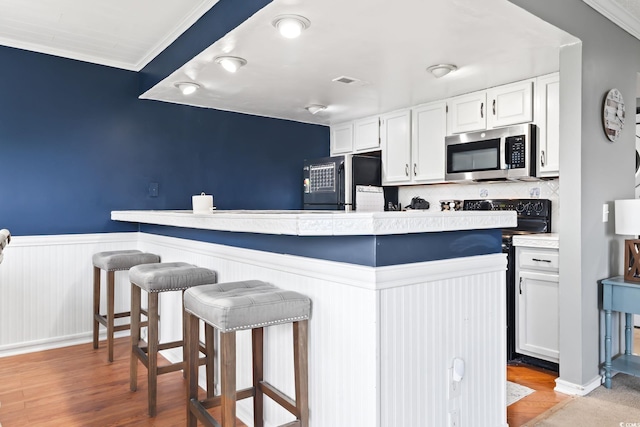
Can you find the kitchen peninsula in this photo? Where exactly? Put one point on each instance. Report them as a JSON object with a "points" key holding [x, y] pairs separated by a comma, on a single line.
{"points": [[396, 296]]}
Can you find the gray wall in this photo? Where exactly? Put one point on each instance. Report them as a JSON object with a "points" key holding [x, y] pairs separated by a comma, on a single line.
{"points": [[593, 172]]}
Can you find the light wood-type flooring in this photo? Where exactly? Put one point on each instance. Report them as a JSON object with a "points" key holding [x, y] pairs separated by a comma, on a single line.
{"points": [[76, 386]]}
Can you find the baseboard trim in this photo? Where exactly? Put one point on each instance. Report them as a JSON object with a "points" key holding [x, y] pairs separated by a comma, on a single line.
{"points": [[57, 342], [572, 389]]}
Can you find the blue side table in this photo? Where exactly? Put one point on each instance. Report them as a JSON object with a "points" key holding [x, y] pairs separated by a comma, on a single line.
{"points": [[624, 297]]}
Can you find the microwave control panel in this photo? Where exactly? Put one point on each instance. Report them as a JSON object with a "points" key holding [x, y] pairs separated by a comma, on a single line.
{"points": [[516, 151]]}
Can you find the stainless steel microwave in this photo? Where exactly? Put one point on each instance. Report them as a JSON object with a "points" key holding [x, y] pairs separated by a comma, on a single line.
{"points": [[508, 153]]}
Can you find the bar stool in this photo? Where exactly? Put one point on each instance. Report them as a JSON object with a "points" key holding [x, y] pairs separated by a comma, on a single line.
{"points": [[230, 307], [156, 278], [112, 261]]}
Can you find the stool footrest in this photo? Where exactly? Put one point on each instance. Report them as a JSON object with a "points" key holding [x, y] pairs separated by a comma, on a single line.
{"points": [[279, 397], [201, 413], [295, 423], [214, 401]]}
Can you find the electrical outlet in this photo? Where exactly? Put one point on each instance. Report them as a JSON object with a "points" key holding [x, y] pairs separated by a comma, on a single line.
{"points": [[454, 418], [454, 386], [153, 189]]}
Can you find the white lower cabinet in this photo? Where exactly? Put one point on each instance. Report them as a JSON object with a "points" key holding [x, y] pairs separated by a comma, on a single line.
{"points": [[537, 286]]}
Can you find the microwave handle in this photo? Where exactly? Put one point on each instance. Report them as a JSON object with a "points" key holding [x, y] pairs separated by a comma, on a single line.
{"points": [[504, 154]]}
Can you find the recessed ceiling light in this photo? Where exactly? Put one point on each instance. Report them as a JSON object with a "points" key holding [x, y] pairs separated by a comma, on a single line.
{"points": [[315, 108], [290, 26], [230, 63], [187, 88], [441, 70]]}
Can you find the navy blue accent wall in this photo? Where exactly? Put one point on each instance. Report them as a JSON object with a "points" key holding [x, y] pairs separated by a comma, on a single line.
{"points": [[213, 25], [77, 143], [372, 251]]}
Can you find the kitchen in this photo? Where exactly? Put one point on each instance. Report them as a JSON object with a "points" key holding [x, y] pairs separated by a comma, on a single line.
{"points": [[144, 137]]}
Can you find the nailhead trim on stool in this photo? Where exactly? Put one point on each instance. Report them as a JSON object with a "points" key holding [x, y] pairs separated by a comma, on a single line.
{"points": [[154, 279], [230, 307], [112, 261]]}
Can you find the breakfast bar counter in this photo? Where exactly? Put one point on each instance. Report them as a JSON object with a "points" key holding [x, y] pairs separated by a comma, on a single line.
{"points": [[396, 296]]}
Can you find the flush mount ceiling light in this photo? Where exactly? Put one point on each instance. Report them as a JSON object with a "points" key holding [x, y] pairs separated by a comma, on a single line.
{"points": [[187, 88], [315, 108], [290, 26], [230, 63], [441, 70]]}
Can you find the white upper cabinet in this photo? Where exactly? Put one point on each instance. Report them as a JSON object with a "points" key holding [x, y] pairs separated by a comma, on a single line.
{"points": [[395, 133], [341, 138], [548, 121], [468, 113], [427, 142], [366, 134], [510, 104], [496, 107]]}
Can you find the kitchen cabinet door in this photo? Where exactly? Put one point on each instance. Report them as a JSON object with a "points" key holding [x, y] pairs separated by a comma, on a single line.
{"points": [[429, 128], [342, 138], [537, 294], [366, 134], [510, 104], [548, 121], [395, 133], [468, 113]]}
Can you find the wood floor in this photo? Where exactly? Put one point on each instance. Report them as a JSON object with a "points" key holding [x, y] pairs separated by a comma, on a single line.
{"points": [[76, 386], [535, 404]]}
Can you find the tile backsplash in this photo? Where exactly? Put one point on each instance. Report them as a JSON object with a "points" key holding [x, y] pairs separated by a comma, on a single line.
{"points": [[544, 189]]}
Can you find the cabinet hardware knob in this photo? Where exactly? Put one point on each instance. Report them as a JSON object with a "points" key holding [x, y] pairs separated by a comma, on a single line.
{"points": [[415, 165], [541, 260], [406, 169], [520, 286], [494, 107], [543, 158], [482, 110]]}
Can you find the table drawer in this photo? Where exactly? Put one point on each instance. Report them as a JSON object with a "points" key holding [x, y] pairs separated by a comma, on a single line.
{"points": [[538, 259]]}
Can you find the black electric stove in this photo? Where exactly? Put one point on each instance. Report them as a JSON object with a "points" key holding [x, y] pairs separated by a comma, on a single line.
{"points": [[534, 216]]}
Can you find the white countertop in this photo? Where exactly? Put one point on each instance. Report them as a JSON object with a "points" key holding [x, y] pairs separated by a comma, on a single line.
{"points": [[542, 240], [323, 223]]}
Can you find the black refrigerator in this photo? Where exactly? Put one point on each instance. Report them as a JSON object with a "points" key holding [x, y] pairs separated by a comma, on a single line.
{"points": [[330, 182]]}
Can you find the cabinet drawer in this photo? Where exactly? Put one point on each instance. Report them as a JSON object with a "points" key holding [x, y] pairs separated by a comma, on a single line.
{"points": [[538, 259]]}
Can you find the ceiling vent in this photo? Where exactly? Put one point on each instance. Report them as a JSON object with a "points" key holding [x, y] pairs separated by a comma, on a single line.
{"points": [[349, 81]]}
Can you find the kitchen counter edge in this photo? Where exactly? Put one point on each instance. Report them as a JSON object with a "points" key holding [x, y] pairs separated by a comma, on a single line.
{"points": [[322, 223]]}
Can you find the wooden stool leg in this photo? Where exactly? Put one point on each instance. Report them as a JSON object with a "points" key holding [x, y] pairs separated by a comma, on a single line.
{"points": [[300, 363], [152, 352], [184, 337], [209, 334], [192, 340], [110, 312], [96, 305], [257, 335], [135, 336], [228, 378]]}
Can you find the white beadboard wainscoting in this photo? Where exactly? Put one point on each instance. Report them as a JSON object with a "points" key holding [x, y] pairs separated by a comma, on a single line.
{"points": [[46, 289], [381, 340]]}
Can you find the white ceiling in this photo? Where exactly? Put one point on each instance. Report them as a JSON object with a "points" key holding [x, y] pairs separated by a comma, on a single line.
{"points": [[386, 44], [119, 33]]}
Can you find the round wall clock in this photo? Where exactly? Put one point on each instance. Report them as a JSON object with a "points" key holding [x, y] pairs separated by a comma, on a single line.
{"points": [[613, 114]]}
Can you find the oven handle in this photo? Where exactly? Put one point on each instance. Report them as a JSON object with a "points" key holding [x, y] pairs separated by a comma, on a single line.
{"points": [[503, 154]]}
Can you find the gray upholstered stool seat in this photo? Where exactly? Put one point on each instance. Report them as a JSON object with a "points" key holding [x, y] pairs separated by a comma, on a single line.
{"points": [[112, 261], [234, 306], [245, 305], [122, 260], [154, 279]]}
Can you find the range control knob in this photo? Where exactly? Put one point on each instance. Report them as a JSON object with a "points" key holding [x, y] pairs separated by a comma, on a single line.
{"points": [[538, 207], [520, 207]]}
